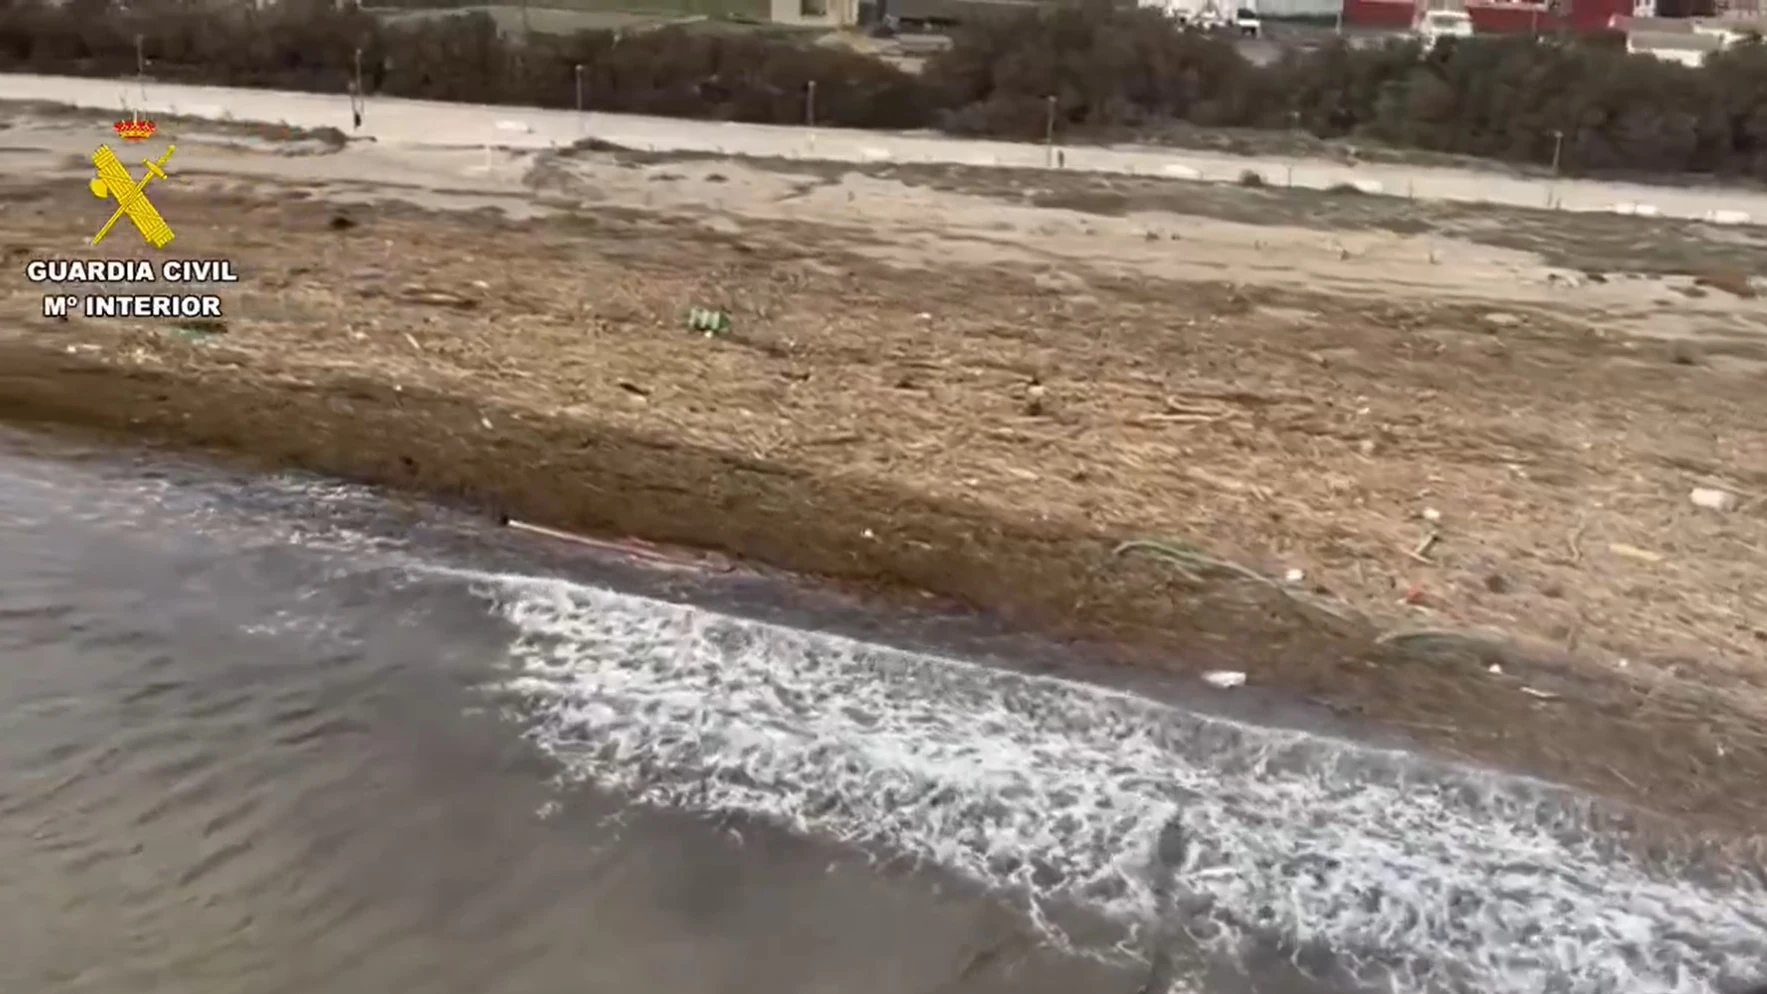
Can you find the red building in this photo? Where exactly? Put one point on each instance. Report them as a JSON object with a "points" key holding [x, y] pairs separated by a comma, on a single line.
{"points": [[1390, 15], [1495, 16]]}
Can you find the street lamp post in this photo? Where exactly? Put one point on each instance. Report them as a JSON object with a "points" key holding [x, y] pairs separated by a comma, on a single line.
{"points": [[1049, 132], [358, 96], [1558, 147]]}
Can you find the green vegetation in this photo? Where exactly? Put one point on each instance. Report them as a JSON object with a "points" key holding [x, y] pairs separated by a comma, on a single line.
{"points": [[658, 9], [1587, 104]]}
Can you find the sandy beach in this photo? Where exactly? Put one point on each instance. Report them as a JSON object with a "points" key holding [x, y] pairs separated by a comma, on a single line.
{"points": [[1429, 465]]}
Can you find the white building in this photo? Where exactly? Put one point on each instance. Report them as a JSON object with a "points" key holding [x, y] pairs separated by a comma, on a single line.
{"points": [[1677, 39], [1191, 11]]}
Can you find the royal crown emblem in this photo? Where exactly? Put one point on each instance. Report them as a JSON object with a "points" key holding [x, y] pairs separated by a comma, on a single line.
{"points": [[134, 130]]}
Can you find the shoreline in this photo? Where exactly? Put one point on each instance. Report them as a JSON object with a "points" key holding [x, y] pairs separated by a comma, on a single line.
{"points": [[247, 425], [989, 430], [906, 620], [868, 758]]}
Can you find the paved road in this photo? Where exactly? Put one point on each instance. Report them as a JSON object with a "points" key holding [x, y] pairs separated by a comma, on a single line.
{"points": [[472, 125]]}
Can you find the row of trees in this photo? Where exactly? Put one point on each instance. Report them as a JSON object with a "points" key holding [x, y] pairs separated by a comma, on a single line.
{"points": [[1584, 102]]}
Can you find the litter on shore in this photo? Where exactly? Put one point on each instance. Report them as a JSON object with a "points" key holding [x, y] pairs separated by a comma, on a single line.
{"points": [[627, 548]]}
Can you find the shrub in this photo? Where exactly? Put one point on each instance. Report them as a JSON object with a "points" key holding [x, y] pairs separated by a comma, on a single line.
{"points": [[311, 45], [1586, 104]]}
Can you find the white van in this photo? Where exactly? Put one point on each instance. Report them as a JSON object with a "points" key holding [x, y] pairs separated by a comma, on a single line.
{"points": [[1437, 24]]}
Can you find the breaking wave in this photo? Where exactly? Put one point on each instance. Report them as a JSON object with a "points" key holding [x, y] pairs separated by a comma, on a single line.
{"points": [[1405, 874]]}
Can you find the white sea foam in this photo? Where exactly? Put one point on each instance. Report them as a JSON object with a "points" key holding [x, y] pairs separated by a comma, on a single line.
{"points": [[1422, 876]]}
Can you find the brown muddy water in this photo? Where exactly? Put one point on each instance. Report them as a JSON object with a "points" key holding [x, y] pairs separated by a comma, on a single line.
{"points": [[266, 734]]}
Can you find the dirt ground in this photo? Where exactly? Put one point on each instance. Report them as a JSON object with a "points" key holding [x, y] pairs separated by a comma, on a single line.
{"points": [[1425, 465]]}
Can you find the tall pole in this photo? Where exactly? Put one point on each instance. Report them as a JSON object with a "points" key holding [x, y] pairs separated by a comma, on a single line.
{"points": [[358, 96], [1049, 132], [141, 66], [1558, 147], [578, 71], [810, 104]]}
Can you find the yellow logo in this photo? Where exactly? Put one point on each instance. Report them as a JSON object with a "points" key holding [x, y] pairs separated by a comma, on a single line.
{"points": [[113, 182]]}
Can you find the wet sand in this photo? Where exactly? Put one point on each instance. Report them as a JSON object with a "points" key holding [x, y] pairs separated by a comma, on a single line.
{"points": [[928, 390]]}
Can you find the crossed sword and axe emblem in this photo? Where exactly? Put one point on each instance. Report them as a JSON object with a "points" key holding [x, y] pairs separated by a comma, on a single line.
{"points": [[114, 182]]}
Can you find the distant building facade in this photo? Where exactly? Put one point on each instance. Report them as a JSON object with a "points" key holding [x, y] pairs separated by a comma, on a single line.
{"points": [[953, 12], [1494, 16], [814, 13], [1688, 40]]}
